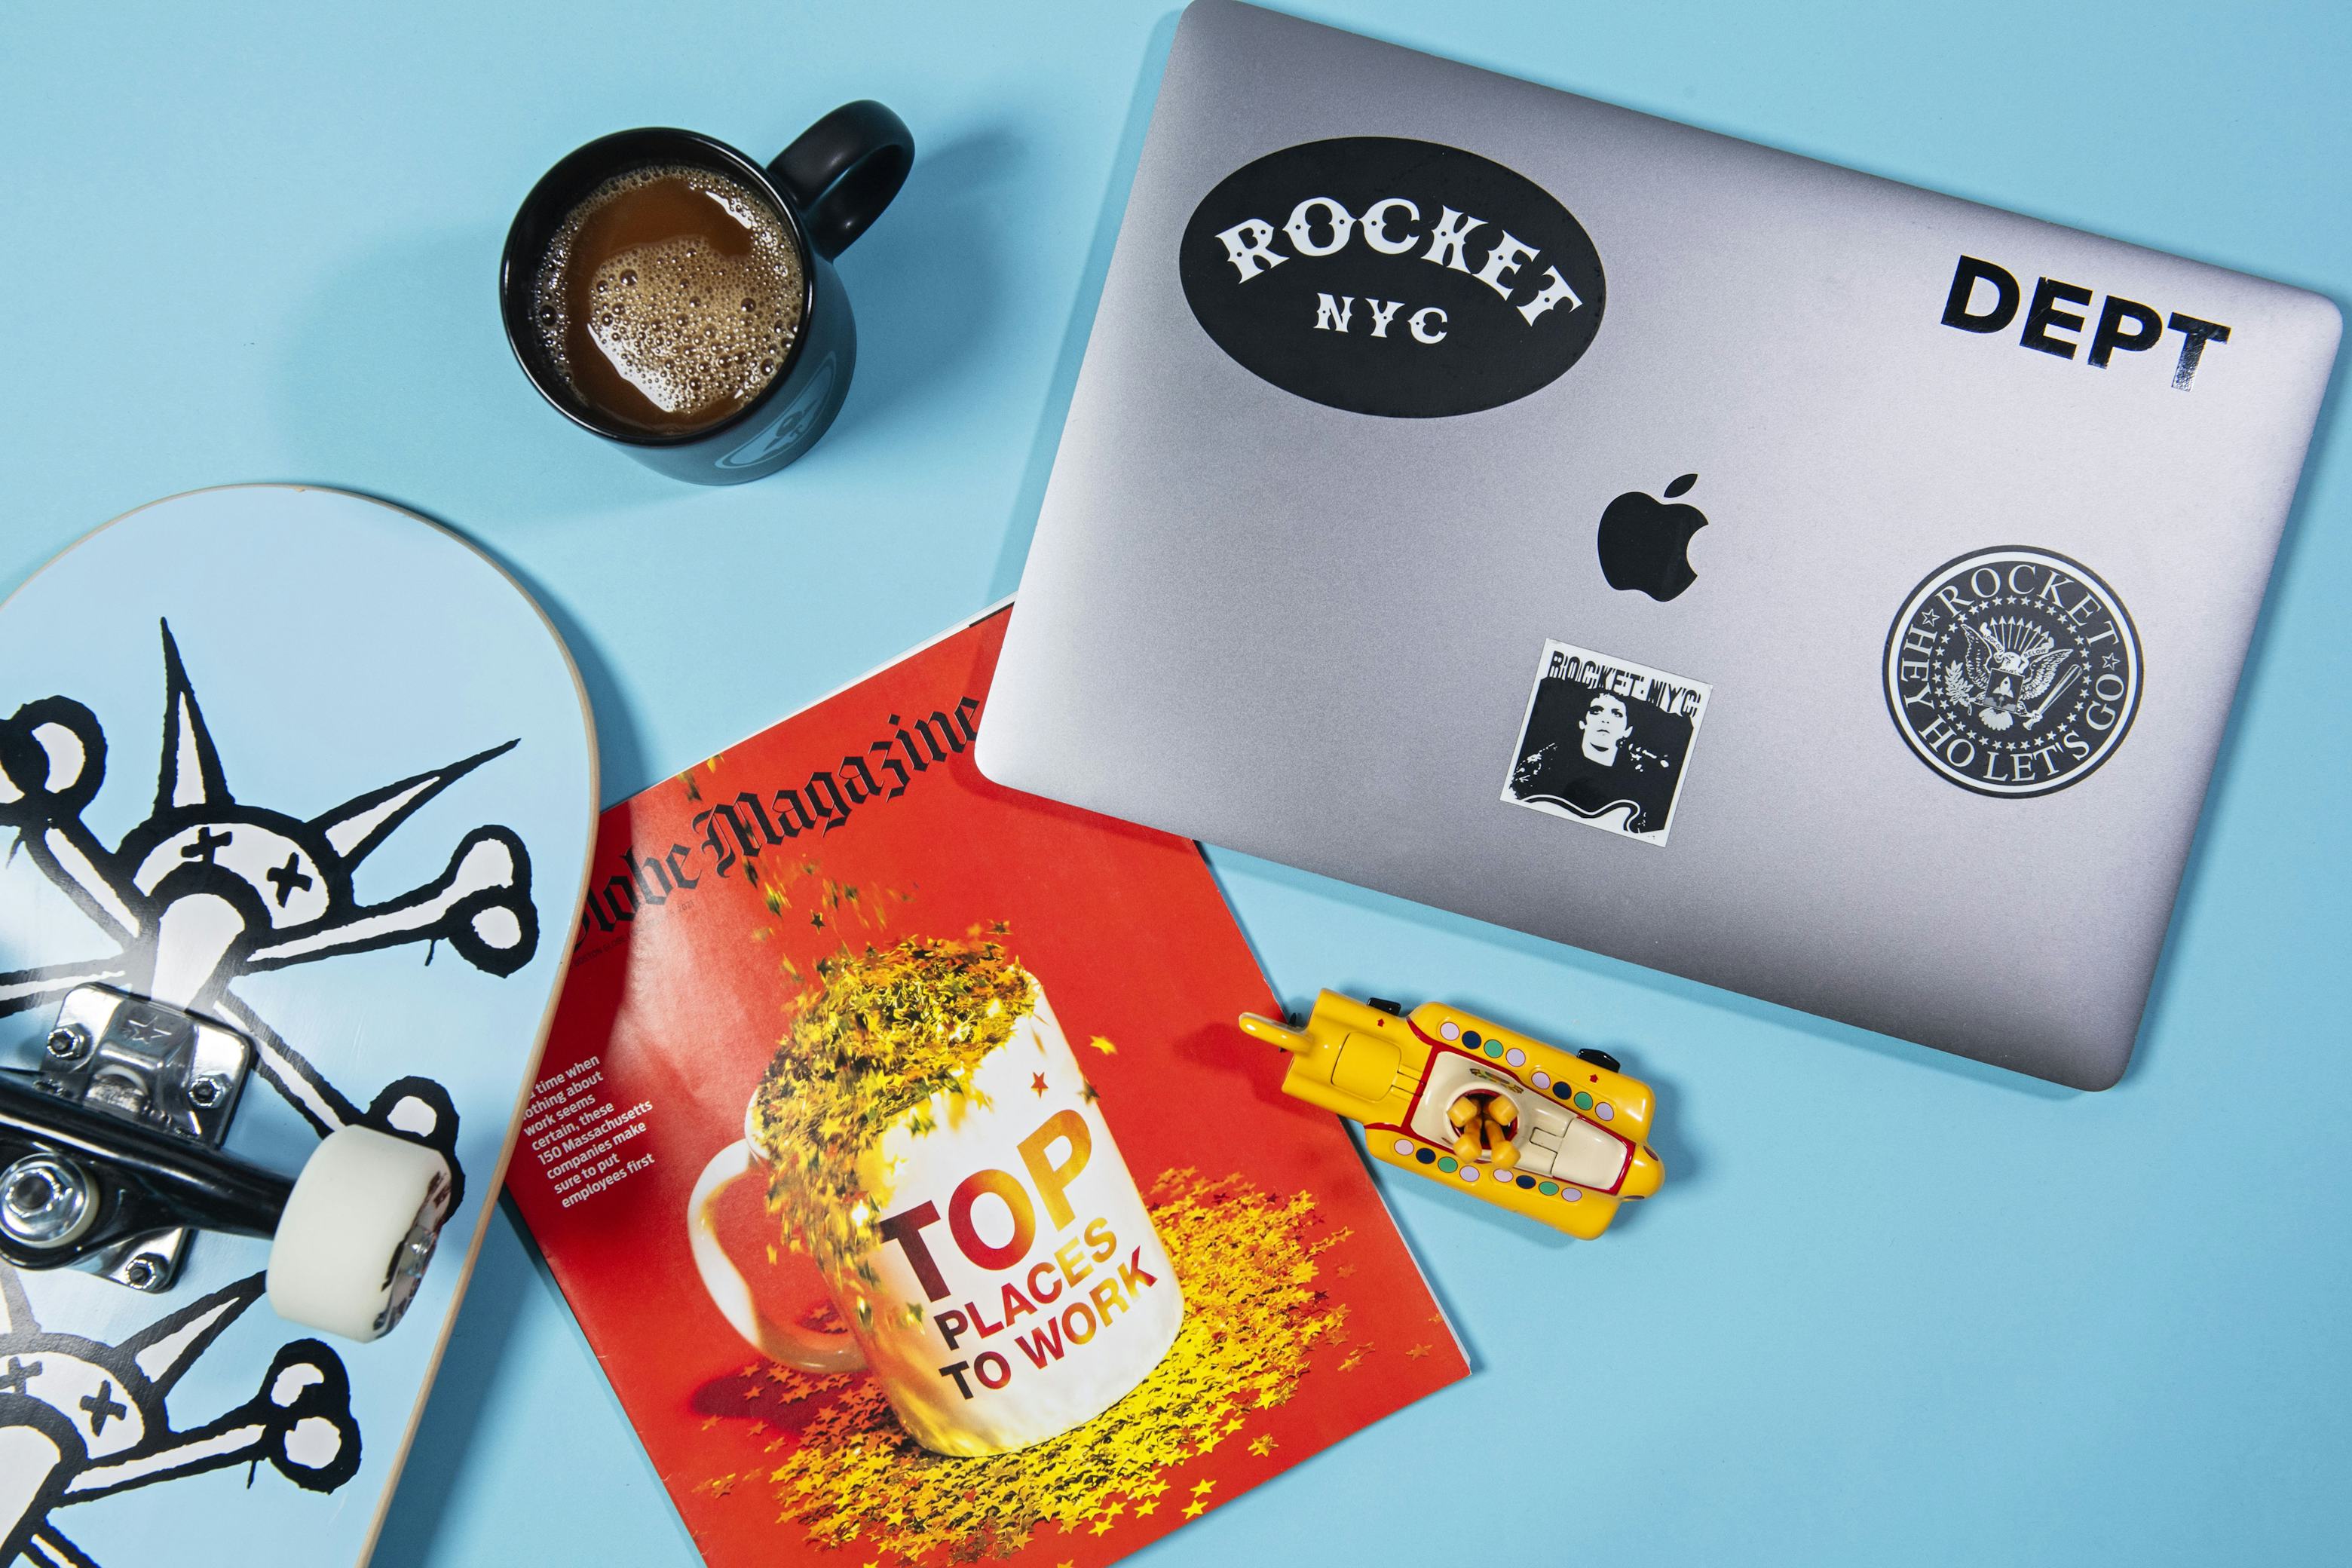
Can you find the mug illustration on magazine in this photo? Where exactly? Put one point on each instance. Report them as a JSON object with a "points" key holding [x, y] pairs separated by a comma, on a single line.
{"points": [[926, 1135]]}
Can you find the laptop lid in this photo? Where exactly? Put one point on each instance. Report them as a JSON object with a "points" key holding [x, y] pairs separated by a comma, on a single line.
{"points": [[1789, 579]]}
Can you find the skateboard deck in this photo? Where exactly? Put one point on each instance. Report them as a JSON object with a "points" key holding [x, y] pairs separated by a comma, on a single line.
{"points": [[309, 766]]}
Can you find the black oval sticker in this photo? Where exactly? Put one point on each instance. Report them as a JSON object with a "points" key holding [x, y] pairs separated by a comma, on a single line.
{"points": [[1392, 277]]}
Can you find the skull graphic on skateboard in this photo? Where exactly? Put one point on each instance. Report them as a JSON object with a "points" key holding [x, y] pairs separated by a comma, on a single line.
{"points": [[297, 791]]}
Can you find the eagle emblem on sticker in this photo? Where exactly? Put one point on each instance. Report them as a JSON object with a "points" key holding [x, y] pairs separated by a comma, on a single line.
{"points": [[2006, 671]]}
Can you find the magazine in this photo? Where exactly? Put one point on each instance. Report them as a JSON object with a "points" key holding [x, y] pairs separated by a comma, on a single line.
{"points": [[897, 1152]]}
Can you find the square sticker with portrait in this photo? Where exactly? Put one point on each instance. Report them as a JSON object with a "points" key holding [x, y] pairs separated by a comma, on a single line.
{"points": [[1606, 741]]}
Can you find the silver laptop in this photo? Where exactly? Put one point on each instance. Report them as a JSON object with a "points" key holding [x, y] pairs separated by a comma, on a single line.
{"points": [[1795, 581]]}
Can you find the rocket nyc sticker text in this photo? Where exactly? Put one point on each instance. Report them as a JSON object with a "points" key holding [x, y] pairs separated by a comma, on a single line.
{"points": [[1392, 277]]}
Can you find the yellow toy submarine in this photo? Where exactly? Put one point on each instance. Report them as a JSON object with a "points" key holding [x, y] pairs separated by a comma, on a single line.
{"points": [[1560, 1139]]}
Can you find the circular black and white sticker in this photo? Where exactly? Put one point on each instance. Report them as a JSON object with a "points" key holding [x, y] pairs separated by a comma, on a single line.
{"points": [[2012, 671]]}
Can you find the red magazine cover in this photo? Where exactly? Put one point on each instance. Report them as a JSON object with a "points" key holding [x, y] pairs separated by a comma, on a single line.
{"points": [[897, 1152]]}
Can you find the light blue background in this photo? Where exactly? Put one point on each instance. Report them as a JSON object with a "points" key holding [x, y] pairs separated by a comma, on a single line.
{"points": [[1890, 1308]]}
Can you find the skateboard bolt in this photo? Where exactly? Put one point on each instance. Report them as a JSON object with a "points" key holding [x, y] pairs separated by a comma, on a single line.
{"points": [[68, 1042], [144, 1272], [207, 1093], [44, 1201]]}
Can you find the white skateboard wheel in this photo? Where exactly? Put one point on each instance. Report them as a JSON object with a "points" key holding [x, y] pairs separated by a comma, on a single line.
{"points": [[357, 1233]]}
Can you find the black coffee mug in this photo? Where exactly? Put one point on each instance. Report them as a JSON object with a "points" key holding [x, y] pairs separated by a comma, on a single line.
{"points": [[826, 188]]}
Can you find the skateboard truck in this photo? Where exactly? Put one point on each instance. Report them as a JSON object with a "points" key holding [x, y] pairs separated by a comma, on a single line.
{"points": [[112, 1154]]}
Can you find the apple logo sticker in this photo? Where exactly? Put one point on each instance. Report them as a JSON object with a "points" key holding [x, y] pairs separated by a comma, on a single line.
{"points": [[1644, 543]]}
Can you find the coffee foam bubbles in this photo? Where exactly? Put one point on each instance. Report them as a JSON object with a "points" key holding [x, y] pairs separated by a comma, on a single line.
{"points": [[698, 331], [688, 328]]}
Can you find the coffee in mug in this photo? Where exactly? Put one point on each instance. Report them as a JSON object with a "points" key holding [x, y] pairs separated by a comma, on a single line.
{"points": [[720, 345], [927, 1136], [668, 297]]}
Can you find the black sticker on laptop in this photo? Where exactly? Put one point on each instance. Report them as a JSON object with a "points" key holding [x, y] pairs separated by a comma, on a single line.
{"points": [[2012, 671], [1392, 277], [1606, 741]]}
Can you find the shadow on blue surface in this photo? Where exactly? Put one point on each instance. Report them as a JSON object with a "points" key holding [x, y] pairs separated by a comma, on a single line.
{"points": [[926, 281], [2261, 653], [494, 1300], [1031, 496]]}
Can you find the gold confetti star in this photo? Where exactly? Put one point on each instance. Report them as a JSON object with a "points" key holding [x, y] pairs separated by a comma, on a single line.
{"points": [[1105, 1047], [1262, 1445], [1355, 1359], [1100, 1526], [1204, 1488], [1194, 1510], [1416, 1352], [1147, 1508]]}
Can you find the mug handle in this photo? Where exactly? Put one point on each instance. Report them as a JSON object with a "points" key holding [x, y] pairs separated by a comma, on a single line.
{"points": [[843, 170], [811, 1349]]}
